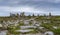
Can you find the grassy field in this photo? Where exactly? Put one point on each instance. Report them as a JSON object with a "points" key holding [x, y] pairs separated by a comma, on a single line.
{"points": [[54, 21]]}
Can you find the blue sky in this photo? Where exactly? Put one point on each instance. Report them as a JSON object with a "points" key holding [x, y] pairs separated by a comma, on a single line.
{"points": [[29, 6]]}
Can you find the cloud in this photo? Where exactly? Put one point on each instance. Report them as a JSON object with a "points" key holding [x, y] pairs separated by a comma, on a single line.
{"points": [[27, 2], [32, 6], [53, 1], [20, 9]]}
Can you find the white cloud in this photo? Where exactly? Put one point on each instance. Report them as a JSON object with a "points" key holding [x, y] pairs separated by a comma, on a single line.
{"points": [[53, 1], [20, 9], [30, 6], [8, 9], [13, 1]]}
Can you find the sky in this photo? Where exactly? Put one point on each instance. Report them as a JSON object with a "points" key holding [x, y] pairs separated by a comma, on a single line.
{"points": [[29, 7]]}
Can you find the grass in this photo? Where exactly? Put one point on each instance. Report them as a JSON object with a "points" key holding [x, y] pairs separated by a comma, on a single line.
{"points": [[49, 26], [11, 29]]}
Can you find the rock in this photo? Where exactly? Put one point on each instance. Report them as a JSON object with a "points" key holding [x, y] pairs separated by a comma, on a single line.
{"points": [[49, 33]]}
